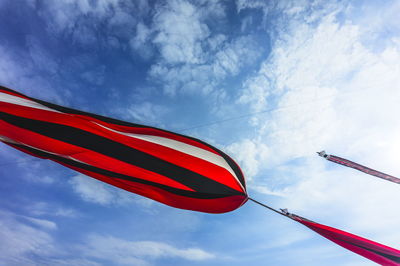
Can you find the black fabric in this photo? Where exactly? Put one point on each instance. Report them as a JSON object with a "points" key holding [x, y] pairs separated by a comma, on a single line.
{"points": [[97, 170], [108, 147], [63, 109]]}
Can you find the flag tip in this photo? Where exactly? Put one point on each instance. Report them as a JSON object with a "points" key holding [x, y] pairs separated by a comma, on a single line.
{"points": [[322, 154]]}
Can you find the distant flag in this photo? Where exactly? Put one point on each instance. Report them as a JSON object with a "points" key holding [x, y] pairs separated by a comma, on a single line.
{"points": [[359, 167], [174, 169]]}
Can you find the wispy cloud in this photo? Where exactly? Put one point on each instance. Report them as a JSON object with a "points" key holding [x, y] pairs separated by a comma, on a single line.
{"points": [[124, 252], [92, 190], [331, 89], [20, 240], [51, 210], [27, 240], [180, 32]]}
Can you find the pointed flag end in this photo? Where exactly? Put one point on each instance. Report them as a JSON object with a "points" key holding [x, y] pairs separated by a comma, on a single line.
{"points": [[285, 212]]}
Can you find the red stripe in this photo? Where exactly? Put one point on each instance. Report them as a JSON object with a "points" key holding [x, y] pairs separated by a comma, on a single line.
{"points": [[192, 163], [136, 130], [14, 94], [151, 131], [92, 158], [220, 205]]}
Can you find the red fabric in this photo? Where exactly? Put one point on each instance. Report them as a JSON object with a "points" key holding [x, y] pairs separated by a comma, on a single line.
{"points": [[192, 163], [90, 144], [374, 251], [362, 168]]}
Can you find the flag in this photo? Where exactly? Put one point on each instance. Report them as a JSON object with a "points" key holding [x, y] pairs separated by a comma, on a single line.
{"points": [[358, 167], [171, 168], [374, 251]]}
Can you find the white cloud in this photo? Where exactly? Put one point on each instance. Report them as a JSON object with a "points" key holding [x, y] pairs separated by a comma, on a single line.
{"points": [[124, 252], [34, 177], [27, 240], [228, 58], [146, 112], [332, 89], [45, 224], [180, 32], [51, 209], [141, 41], [66, 12], [322, 86], [256, 92], [234, 55], [194, 59], [80, 19], [40, 57], [17, 70], [95, 191], [68, 262], [249, 154], [267, 191], [19, 240], [95, 75], [92, 190]]}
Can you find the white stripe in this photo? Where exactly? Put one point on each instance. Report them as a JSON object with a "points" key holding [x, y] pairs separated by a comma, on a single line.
{"points": [[5, 97], [183, 147], [45, 151], [3, 138]]}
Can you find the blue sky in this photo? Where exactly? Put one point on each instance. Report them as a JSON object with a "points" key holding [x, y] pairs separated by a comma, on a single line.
{"points": [[269, 82]]}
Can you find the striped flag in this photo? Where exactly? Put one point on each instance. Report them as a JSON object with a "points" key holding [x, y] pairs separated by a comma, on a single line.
{"points": [[374, 251], [359, 167], [174, 169]]}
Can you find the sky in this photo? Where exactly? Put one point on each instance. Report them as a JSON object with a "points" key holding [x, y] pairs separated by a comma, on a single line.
{"points": [[268, 82]]}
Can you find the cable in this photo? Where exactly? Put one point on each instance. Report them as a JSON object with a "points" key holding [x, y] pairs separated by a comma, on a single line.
{"points": [[251, 114], [268, 207]]}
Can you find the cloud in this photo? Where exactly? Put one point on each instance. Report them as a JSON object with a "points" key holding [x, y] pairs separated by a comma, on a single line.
{"points": [[51, 209], [315, 83], [65, 13], [95, 76], [81, 19], [26, 240], [332, 89], [92, 190], [256, 91], [124, 252], [40, 57], [146, 112], [45, 224], [267, 191], [141, 41], [19, 70], [250, 155], [227, 60], [19, 240], [180, 31]]}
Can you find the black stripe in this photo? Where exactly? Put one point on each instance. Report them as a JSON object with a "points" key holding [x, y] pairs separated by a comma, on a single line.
{"points": [[108, 147], [63, 109], [10, 90], [230, 162], [388, 256], [233, 165], [73, 163]]}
